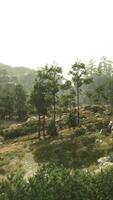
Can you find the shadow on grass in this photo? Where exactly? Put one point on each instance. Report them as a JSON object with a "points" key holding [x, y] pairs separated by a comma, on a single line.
{"points": [[70, 152]]}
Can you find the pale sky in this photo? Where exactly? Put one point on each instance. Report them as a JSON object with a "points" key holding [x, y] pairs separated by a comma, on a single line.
{"points": [[36, 32]]}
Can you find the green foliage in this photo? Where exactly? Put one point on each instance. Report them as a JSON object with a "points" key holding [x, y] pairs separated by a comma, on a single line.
{"points": [[67, 98], [11, 133], [52, 183], [54, 80], [80, 131], [71, 120], [20, 102], [100, 90], [79, 78], [69, 151], [17, 75], [52, 130], [12, 102], [6, 106]]}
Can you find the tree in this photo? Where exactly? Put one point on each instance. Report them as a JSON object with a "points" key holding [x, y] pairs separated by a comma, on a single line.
{"points": [[109, 93], [98, 96], [6, 105], [20, 102], [91, 68], [105, 66], [99, 91], [67, 97], [79, 77], [39, 97], [54, 83]]}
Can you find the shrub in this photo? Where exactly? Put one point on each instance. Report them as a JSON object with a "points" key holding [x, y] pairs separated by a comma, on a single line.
{"points": [[52, 183], [80, 131], [71, 120], [11, 133], [95, 108], [52, 130], [91, 127], [2, 170]]}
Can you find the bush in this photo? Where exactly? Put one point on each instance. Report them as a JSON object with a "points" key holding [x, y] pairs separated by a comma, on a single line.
{"points": [[95, 108], [71, 120], [91, 127], [80, 131], [52, 130], [11, 133], [52, 183]]}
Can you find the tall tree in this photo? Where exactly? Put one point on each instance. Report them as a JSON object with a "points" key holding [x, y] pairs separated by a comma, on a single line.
{"points": [[39, 97], [20, 102], [67, 97], [79, 77], [6, 105], [99, 91], [54, 83]]}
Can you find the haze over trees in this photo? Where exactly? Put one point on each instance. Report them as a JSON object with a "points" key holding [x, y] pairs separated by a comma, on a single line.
{"points": [[60, 119], [49, 92], [17, 75]]}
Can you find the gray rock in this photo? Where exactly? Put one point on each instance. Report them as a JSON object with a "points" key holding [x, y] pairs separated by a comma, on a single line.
{"points": [[98, 141], [104, 159]]}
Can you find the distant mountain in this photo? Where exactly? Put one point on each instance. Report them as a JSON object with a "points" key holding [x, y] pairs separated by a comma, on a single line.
{"points": [[20, 75]]}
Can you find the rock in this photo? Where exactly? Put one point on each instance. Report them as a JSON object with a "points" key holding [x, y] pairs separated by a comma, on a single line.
{"points": [[104, 159], [98, 141], [100, 119], [56, 142], [107, 112], [104, 163], [107, 129], [14, 126], [97, 115], [33, 118], [104, 131]]}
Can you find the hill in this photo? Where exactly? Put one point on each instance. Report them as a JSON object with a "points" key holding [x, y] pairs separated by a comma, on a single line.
{"points": [[81, 147], [21, 75], [78, 162]]}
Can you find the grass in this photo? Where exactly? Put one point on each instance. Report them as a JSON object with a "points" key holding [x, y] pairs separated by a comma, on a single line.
{"points": [[65, 150]]}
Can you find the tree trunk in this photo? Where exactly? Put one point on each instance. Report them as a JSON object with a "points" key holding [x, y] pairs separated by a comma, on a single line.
{"points": [[39, 126], [54, 108], [78, 115], [44, 126]]}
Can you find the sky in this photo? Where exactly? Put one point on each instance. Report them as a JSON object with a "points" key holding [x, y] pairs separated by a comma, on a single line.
{"points": [[36, 32]]}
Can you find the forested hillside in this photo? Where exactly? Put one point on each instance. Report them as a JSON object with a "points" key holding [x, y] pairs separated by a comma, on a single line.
{"points": [[19, 75], [61, 127]]}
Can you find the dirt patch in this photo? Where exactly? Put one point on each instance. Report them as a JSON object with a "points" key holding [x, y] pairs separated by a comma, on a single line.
{"points": [[11, 148]]}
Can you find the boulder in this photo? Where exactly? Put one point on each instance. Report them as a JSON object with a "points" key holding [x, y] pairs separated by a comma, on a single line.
{"points": [[107, 129], [103, 160], [107, 112], [104, 163], [98, 141], [33, 118]]}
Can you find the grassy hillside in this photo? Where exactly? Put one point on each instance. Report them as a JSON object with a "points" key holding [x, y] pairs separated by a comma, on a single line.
{"points": [[76, 148], [76, 164]]}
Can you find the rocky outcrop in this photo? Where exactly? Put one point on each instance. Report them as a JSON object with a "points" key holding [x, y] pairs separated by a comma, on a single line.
{"points": [[104, 163]]}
